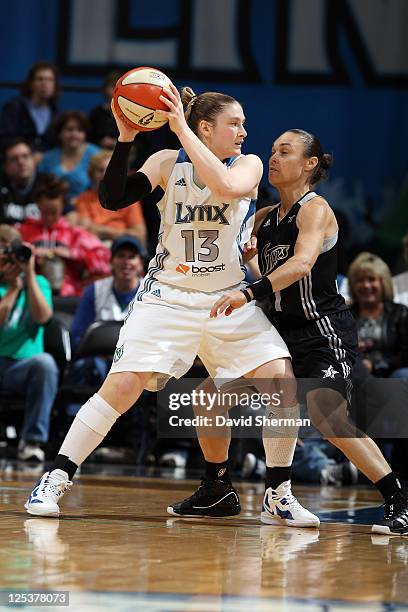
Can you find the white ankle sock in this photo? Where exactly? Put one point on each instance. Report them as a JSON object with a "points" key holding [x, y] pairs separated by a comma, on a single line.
{"points": [[91, 424]]}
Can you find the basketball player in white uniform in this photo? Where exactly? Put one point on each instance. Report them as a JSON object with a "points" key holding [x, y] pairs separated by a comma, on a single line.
{"points": [[207, 214]]}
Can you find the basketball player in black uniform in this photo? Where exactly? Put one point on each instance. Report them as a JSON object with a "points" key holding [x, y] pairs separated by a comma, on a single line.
{"points": [[296, 242]]}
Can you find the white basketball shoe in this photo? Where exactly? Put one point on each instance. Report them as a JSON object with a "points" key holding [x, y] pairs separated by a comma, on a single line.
{"points": [[280, 507], [46, 494]]}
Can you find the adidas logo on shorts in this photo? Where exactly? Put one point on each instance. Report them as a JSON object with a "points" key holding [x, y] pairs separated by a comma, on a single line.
{"points": [[181, 182], [156, 292]]}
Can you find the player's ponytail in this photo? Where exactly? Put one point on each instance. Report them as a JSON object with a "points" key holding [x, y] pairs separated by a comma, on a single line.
{"points": [[203, 107], [188, 98]]}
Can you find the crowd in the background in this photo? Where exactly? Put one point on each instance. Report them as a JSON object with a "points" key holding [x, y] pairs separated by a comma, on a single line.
{"points": [[52, 163]]}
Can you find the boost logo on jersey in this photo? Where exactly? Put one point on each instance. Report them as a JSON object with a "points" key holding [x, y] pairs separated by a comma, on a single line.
{"points": [[206, 270], [199, 270], [183, 269]]}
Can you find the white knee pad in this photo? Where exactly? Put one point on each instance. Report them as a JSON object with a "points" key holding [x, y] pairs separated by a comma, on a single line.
{"points": [[280, 434], [281, 422], [98, 415]]}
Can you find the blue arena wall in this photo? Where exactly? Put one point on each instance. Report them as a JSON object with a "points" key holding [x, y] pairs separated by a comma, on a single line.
{"points": [[338, 68]]}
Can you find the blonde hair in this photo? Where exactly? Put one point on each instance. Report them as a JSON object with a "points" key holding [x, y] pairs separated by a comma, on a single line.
{"points": [[96, 159], [8, 233], [368, 262], [204, 107], [188, 97]]}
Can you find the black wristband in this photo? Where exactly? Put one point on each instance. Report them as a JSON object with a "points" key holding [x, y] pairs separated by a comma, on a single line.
{"points": [[261, 288], [247, 295]]}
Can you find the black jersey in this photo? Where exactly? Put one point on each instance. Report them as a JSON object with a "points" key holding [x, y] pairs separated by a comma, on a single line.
{"points": [[313, 296]]}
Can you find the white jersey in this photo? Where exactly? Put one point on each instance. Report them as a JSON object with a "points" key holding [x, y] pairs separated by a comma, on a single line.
{"points": [[201, 236]]}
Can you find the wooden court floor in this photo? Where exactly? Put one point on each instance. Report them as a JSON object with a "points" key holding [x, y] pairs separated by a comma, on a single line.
{"points": [[115, 548]]}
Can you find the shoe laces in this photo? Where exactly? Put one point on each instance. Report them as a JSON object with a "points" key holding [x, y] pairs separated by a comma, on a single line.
{"points": [[56, 487], [288, 496], [291, 499]]}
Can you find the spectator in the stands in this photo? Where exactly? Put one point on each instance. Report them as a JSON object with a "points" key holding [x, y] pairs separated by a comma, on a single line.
{"points": [[25, 307], [30, 115], [18, 183], [103, 129], [70, 160], [382, 323], [70, 257], [400, 281], [383, 344], [105, 300], [107, 225]]}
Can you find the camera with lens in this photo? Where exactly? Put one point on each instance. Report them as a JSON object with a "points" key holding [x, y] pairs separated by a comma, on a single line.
{"points": [[17, 251]]}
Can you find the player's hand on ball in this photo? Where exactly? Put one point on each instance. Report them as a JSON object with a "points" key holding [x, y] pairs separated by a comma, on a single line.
{"points": [[227, 303], [175, 114], [250, 249], [126, 132]]}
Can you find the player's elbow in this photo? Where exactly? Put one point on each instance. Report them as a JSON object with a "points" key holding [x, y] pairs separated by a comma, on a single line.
{"points": [[304, 266], [105, 199], [223, 189], [227, 190]]}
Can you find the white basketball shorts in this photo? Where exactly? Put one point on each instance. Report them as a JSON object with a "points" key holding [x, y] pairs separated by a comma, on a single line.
{"points": [[163, 332]]}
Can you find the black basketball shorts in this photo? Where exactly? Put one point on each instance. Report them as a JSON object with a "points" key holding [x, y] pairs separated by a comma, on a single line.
{"points": [[323, 352]]}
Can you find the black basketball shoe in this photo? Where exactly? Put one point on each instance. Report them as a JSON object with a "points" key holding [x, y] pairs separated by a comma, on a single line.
{"points": [[395, 520], [214, 498]]}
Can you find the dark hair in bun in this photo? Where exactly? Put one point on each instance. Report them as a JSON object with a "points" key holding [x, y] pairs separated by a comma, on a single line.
{"points": [[313, 148]]}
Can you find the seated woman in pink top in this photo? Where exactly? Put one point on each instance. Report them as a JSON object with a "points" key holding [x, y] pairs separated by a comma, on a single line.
{"points": [[70, 257]]}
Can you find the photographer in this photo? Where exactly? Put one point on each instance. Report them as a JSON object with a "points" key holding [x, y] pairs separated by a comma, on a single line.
{"points": [[25, 307]]}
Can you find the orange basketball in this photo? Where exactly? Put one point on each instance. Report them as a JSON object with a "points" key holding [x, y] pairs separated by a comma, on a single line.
{"points": [[136, 98]]}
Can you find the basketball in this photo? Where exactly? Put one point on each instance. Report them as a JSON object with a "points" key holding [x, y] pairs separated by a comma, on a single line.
{"points": [[136, 98]]}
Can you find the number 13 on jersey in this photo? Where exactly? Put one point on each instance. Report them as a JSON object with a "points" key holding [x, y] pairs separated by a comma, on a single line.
{"points": [[204, 241]]}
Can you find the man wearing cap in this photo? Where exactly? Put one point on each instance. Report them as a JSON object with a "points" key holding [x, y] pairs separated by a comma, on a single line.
{"points": [[106, 300]]}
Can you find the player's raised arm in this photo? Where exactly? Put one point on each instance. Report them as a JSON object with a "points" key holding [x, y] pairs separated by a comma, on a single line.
{"points": [[118, 190], [228, 126]]}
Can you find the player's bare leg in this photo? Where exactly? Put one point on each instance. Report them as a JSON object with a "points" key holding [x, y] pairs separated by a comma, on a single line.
{"points": [[328, 412], [214, 440], [215, 497]]}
